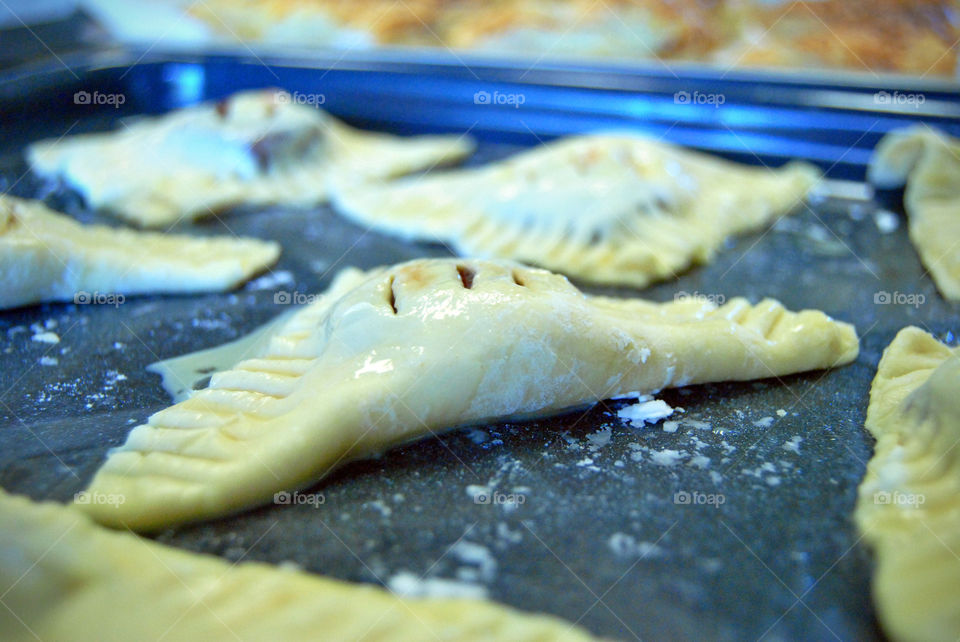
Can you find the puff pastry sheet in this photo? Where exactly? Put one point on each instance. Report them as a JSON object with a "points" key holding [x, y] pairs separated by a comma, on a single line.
{"points": [[610, 209], [398, 353], [909, 501], [928, 163], [46, 256], [64, 579], [257, 148]]}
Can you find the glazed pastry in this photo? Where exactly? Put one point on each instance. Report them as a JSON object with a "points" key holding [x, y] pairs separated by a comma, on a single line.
{"points": [[909, 501], [602, 208], [46, 256], [400, 353], [928, 163], [63, 578], [257, 147]]}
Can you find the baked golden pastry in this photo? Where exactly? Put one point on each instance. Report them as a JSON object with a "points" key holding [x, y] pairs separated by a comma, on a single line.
{"points": [[46, 256], [906, 36], [322, 22], [63, 578], [928, 163], [613, 209], [399, 353], [256, 147], [908, 508], [616, 28]]}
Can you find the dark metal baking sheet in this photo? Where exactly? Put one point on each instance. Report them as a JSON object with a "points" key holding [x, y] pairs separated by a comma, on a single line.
{"points": [[600, 538]]}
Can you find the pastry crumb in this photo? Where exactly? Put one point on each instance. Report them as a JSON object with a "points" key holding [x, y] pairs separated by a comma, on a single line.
{"points": [[886, 221], [646, 410], [406, 584]]}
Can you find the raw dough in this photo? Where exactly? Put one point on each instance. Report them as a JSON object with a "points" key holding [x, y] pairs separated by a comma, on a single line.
{"points": [[46, 256], [398, 353], [63, 578], [909, 502], [928, 162], [256, 147], [603, 208]]}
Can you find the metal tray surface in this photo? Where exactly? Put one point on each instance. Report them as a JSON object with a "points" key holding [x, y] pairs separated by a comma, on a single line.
{"points": [[603, 536]]}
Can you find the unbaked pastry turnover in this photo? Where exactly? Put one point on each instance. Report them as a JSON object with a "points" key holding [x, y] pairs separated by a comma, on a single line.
{"points": [[613, 209], [928, 163], [909, 501], [399, 353], [46, 256], [63, 578], [257, 147]]}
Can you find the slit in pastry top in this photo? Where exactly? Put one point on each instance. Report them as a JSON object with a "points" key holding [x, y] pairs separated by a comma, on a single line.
{"points": [[394, 354]]}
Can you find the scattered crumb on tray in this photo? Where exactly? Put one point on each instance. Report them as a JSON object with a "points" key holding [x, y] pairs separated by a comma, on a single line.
{"points": [[886, 221], [407, 584], [646, 410]]}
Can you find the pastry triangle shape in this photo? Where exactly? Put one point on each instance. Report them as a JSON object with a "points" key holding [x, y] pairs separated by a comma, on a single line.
{"points": [[63, 578], [46, 256], [928, 163], [612, 209], [258, 147], [399, 353], [908, 508]]}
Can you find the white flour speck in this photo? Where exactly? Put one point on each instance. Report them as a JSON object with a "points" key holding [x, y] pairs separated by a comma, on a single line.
{"points": [[625, 545], [766, 422], [667, 457], [600, 438], [793, 444]]}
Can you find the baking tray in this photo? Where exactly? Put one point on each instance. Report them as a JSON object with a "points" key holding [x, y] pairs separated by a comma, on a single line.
{"points": [[601, 537]]}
